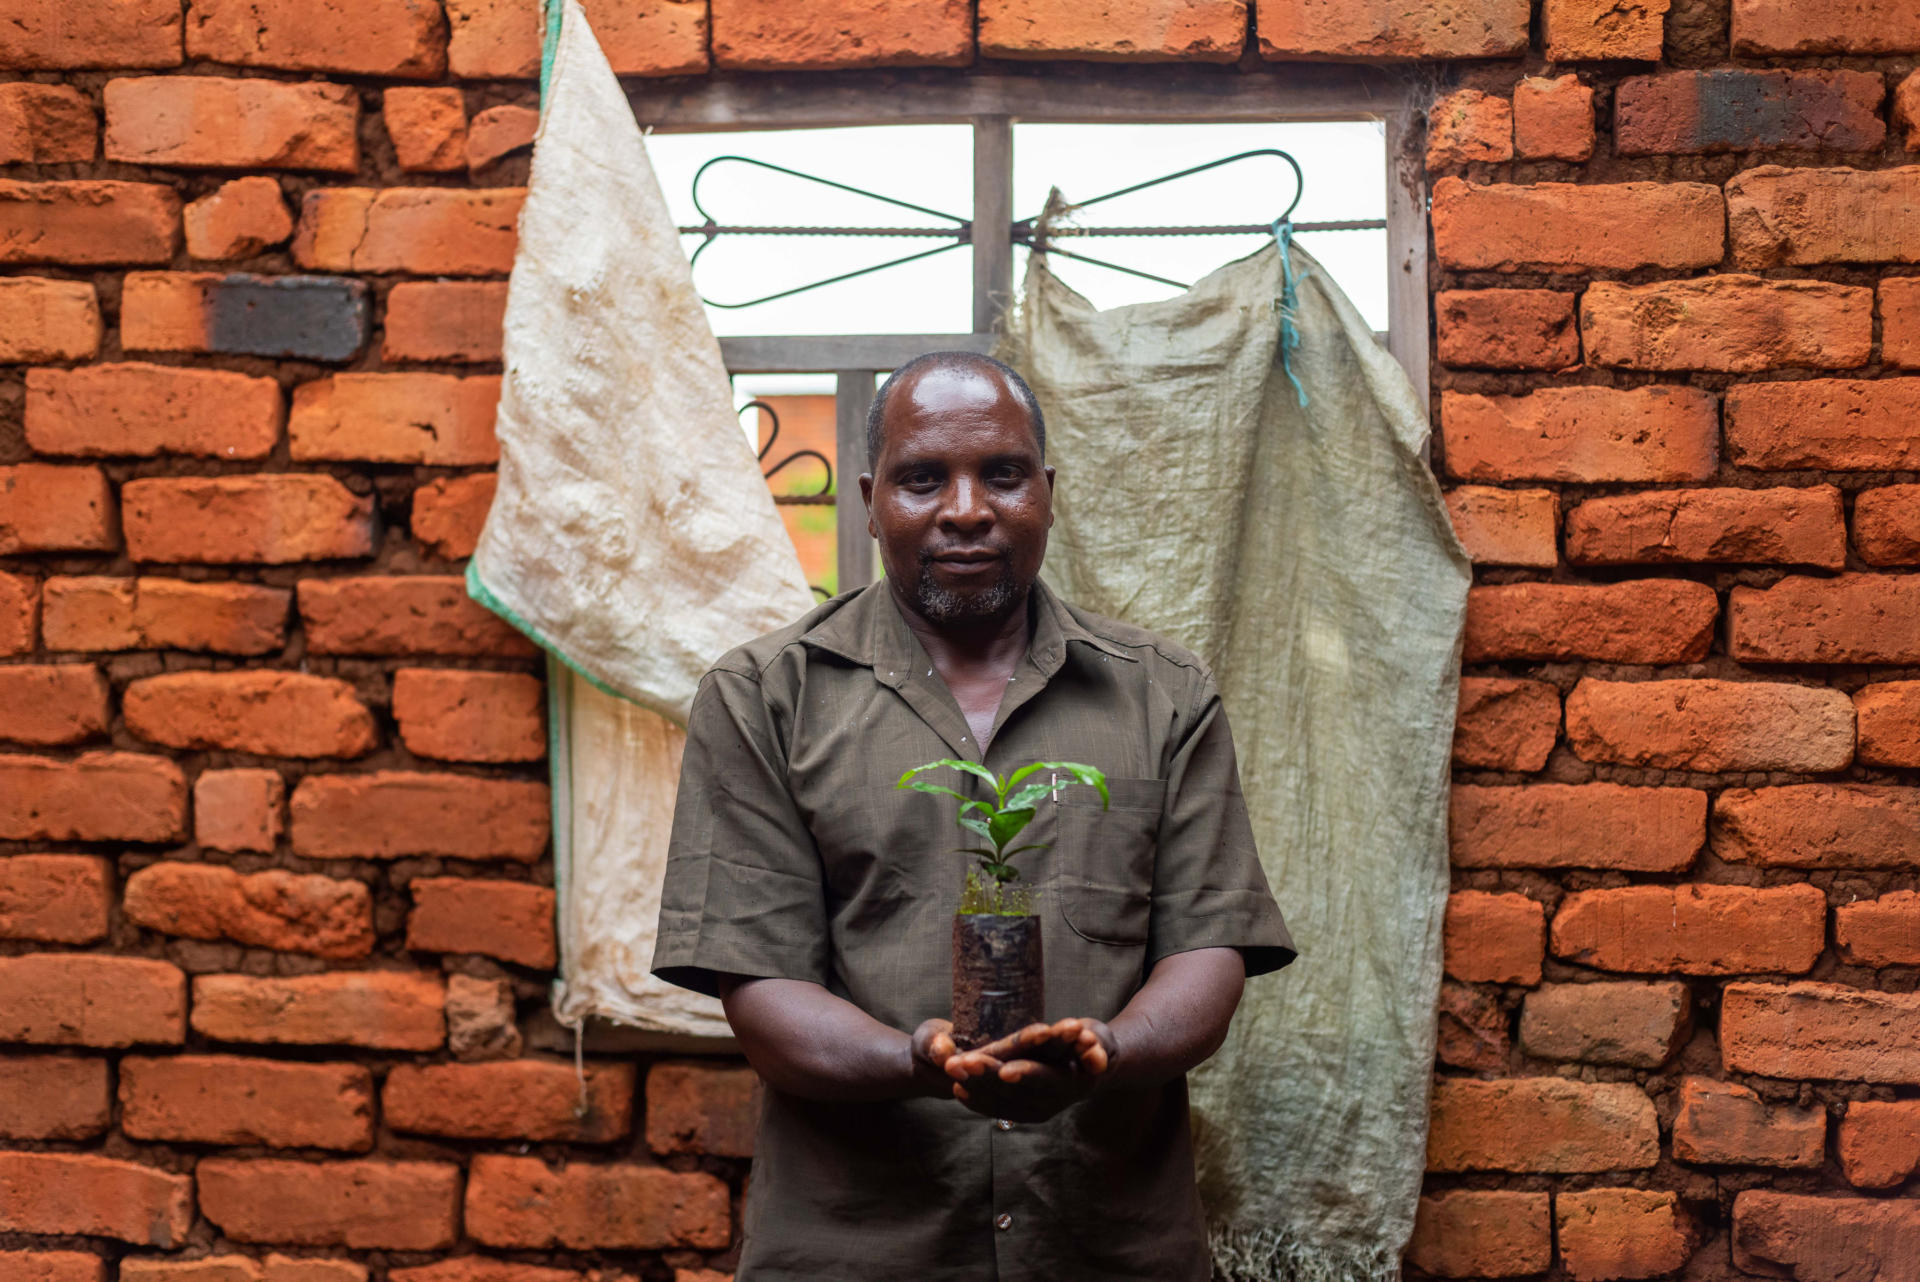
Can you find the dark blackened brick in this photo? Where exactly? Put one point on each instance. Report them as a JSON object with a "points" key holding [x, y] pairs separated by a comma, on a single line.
{"points": [[1708, 111]]}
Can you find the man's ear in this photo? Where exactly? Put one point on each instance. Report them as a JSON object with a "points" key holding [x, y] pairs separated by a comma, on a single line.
{"points": [[866, 497]]}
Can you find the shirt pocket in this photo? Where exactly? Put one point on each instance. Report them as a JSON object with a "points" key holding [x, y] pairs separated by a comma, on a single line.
{"points": [[1105, 859]]}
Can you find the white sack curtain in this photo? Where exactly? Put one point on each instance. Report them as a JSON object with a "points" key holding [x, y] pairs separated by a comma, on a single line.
{"points": [[631, 534], [1305, 553]]}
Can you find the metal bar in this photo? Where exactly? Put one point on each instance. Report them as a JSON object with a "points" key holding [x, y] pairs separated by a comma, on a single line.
{"points": [[1057, 93], [961, 234], [1407, 315], [852, 398], [992, 221], [825, 353]]}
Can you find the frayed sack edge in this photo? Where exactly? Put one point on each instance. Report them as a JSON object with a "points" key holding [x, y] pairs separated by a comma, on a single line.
{"points": [[1275, 1255]]}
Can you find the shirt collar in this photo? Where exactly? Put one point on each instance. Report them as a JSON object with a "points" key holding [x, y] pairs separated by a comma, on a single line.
{"points": [[868, 629]]}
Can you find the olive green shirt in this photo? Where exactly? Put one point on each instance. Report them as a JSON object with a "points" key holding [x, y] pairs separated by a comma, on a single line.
{"points": [[794, 856]]}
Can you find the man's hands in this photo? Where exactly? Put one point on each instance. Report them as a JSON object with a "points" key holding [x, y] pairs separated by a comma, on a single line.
{"points": [[1035, 1073], [931, 1047]]}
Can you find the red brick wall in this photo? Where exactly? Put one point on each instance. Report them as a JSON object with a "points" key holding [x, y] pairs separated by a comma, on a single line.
{"points": [[275, 926]]}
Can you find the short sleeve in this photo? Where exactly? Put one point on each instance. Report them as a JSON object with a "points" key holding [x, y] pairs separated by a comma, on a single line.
{"points": [[743, 893], [1208, 887]]}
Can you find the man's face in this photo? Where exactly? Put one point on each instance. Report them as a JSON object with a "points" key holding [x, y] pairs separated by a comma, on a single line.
{"points": [[959, 498]]}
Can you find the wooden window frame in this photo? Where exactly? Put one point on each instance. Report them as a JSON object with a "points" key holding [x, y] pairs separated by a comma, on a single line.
{"points": [[991, 102]]}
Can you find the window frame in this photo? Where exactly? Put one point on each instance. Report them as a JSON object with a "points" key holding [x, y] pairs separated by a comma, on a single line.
{"points": [[991, 101]]}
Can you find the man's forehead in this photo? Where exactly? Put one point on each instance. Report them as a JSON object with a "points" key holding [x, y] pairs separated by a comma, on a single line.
{"points": [[946, 388]]}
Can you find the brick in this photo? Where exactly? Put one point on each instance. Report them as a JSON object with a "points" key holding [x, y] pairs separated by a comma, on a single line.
{"points": [[131, 409], [391, 814], [456, 715], [410, 614], [363, 1205], [53, 1097], [45, 124], [511, 1100], [1494, 939], [1640, 621], [45, 507], [449, 512], [400, 38], [98, 796], [1475, 1234], [1505, 527], [1469, 126], [86, 999], [1727, 109], [1628, 1024], [319, 318], [1732, 323], [1888, 714], [500, 39], [282, 1268], [707, 1109], [1854, 618], [1472, 1031], [272, 714], [1886, 525], [444, 320], [219, 122], [1506, 328], [506, 919], [1693, 929], [1727, 1124], [237, 219], [1879, 932], [1879, 1143], [384, 1010], [520, 1202], [1779, 216], [1582, 434], [208, 1268], [81, 1193], [1785, 525], [277, 909], [1552, 119], [1621, 1233], [1548, 1124], [500, 131], [1833, 424], [439, 419], [1390, 29], [766, 35], [48, 320], [52, 1266], [1711, 725], [55, 899], [1594, 30], [1818, 825], [1567, 227], [1824, 1239], [242, 809], [87, 223], [1505, 724], [1906, 110], [481, 1019], [1114, 30], [1586, 825], [226, 520], [428, 127], [481, 1268], [98, 613], [19, 613], [1809, 1030], [228, 1099], [425, 231], [36, 36], [51, 703], [1825, 26]]}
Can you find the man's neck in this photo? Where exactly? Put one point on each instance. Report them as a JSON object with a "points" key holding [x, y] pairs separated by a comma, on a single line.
{"points": [[994, 644]]}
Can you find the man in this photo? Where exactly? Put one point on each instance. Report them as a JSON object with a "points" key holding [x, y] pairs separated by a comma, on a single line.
{"points": [[816, 899]]}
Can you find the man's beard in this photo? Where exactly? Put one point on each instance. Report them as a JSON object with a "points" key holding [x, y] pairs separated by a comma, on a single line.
{"points": [[977, 605]]}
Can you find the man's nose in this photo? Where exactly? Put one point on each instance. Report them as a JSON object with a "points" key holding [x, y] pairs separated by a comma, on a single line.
{"points": [[966, 507]]}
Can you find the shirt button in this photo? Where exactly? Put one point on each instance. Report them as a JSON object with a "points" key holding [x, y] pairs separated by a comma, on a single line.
{"points": [[1002, 1124], [1003, 1221]]}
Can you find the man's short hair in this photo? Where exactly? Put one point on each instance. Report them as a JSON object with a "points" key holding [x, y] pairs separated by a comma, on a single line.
{"points": [[954, 360]]}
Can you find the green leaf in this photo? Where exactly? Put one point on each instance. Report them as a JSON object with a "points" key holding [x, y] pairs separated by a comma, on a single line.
{"points": [[921, 785], [1023, 772], [976, 824], [1028, 796], [1037, 845], [970, 767], [1083, 774], [1006, 825]]}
